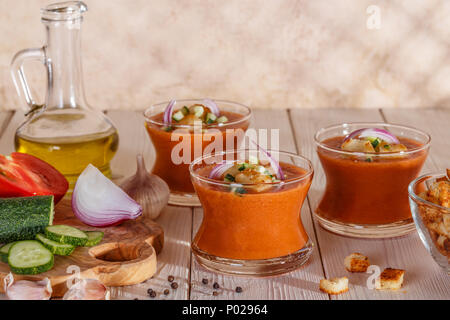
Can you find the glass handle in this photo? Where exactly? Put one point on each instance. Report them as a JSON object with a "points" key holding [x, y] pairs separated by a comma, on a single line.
{"points": [[18, 74]]}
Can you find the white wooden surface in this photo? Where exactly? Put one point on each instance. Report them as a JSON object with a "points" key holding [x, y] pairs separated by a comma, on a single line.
{"points": [[424, 280]]}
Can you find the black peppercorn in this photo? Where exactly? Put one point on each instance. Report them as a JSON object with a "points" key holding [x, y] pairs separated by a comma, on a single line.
{"points": [[170, 278], [215, 293], [205, 281], [166, 292], [216, 285], [152, 294], [174, 285], [149, 291], [238, 289]]}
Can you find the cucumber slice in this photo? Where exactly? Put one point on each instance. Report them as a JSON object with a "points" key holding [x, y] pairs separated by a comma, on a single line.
{"points": [[222, 119], [94, 238], [29, 257], [185, 110], [55, 247], [210, 118], [66, 234], [4, 251], [177, 116], [198, 111]]}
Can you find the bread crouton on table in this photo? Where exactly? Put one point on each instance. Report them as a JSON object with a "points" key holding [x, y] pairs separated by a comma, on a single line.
{"points": [[334, 285], [390, 279], [356, 262]]}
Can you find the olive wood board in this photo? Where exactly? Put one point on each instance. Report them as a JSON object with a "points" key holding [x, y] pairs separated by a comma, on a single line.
{"points": [[125, 256]]}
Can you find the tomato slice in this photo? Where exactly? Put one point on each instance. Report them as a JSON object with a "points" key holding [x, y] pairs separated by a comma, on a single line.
{"points": [[23, 175]]}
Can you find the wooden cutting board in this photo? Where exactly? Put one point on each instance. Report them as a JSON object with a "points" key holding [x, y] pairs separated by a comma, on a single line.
{"points": [[125, 256]]}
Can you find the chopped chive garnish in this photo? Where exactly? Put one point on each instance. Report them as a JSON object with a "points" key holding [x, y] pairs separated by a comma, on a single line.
{"points": [[386, 146], [244, 166], [230, 178], [168, 129], [369, 160], [375, 142], [240, 191]]}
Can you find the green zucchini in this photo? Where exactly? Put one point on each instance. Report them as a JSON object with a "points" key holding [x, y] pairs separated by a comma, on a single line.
{"points": [[23, 218], [94, 238], [29, 257], [66, 234], [4, 251], [55, 247]]}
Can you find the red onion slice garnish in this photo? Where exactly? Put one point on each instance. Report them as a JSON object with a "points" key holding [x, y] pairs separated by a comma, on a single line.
{"points": [[168, 113], [211, 105], [373, 132], [98, 202], [220, 169], [273, 163]]}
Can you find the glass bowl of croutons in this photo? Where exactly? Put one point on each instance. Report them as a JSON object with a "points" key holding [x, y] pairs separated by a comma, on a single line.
{"points": [[429, 198]]}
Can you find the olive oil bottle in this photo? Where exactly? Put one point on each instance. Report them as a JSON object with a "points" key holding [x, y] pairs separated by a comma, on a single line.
{"points": [[65, 131], [70, 154]]}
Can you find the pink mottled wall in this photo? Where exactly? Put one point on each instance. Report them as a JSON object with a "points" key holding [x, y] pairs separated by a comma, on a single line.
{"points": [[265, 53]]}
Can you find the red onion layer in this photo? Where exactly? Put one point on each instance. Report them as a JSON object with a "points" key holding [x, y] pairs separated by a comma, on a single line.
{"points": [[98, 202], [273, 163], [211, 105], [168, 113], [373, 132]]}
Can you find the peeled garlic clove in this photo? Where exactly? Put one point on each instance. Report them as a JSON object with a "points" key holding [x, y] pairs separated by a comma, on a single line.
{"points": [[87, 289], [149, 190], [27, 290]]}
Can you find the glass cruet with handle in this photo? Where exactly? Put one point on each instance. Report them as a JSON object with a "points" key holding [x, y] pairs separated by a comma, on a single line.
{"points": [[63, 131]]}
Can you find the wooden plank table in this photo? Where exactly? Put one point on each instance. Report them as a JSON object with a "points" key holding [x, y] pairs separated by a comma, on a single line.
{"points": [[423, 280]]}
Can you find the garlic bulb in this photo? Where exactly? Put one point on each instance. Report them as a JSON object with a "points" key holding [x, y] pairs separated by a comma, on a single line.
{"points": [[27, 290], [149, 190], [87, 289]]}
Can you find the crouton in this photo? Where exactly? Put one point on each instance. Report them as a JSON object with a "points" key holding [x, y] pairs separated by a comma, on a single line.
{"points": [[334, 286], [390, 279], [356, 262]]}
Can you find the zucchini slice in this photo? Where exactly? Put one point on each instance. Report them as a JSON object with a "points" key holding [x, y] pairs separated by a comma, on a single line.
{"points": [[29, 257], [94, 238], [66, 234], [55, 247], [4, 251]]}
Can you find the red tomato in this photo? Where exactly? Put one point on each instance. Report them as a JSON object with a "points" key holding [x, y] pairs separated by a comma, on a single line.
{"points": [[23, 175]]}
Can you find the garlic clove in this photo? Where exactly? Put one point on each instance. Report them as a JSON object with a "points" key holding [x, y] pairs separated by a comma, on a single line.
{"points": [[149, 190], [87, 289], [27, 290]]}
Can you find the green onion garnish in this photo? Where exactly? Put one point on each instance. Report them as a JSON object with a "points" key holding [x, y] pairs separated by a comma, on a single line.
{"points": [[230, 178], [375, 143]]}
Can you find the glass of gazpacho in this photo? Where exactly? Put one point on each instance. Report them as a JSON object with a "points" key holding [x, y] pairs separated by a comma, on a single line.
{"points": [[184, 130], [252, 211], [368, 167]]}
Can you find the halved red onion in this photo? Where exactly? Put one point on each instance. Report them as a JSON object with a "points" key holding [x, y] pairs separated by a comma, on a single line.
{"points": [[168, 113], [373, 132], [98, 202], [220, 169], [273, 163], [211, 105]]}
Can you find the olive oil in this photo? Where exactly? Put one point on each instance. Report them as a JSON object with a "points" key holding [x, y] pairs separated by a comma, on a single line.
{"points": [[46, 138]]}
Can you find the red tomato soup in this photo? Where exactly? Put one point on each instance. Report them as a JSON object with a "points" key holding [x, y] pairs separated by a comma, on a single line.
{"points": [[368, 189], [252, 225], [177, 175]]}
